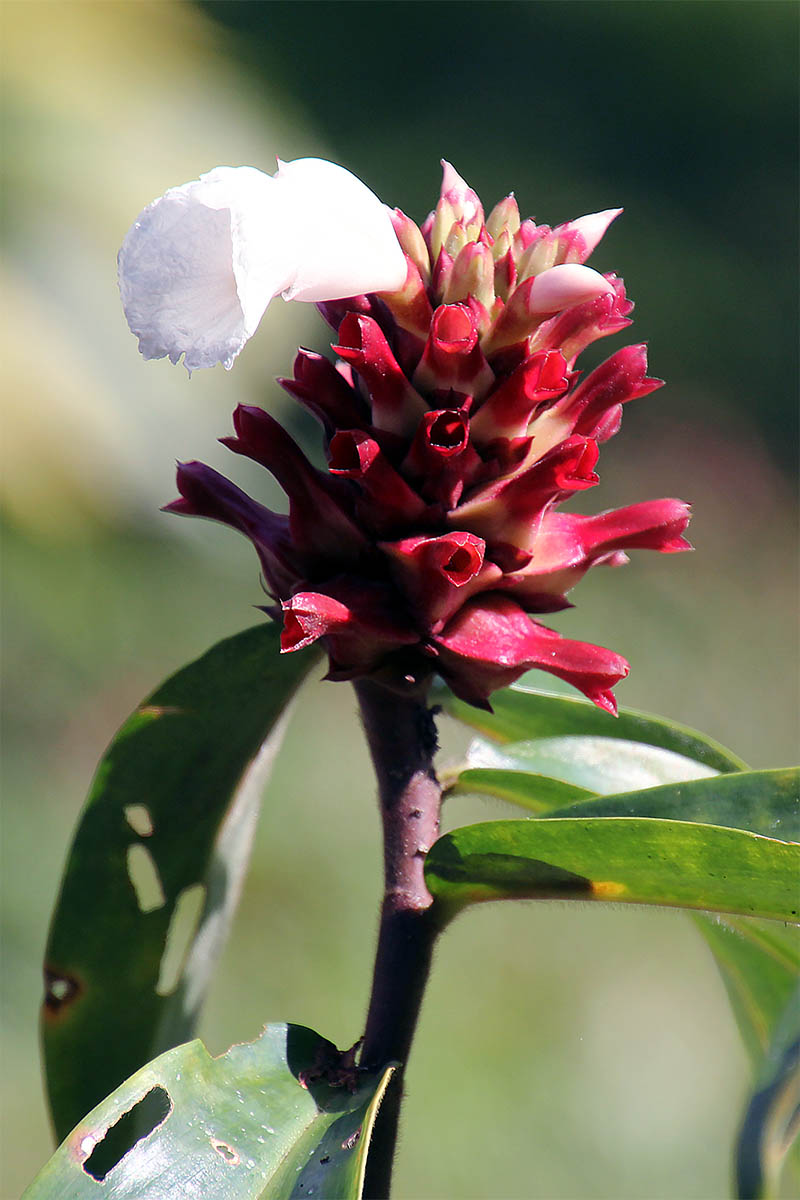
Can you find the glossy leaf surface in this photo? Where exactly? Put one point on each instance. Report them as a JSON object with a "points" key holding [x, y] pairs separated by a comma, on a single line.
{"points": [[539, 793], [765, 802], [522, 713], [599, 765], [155, 869], [620, 859], [258, 1122]]}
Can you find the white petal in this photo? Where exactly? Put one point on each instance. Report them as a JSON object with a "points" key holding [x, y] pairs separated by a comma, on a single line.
{"points": [[197, 269], [565, 285], [200, 265], [343, 233], [593, 226]]}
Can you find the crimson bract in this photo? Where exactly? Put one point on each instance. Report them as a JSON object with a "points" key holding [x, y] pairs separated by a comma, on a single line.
{"points": [[455, 424]]}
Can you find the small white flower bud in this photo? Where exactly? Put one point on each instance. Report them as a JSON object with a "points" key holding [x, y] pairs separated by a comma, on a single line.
{"points": [[593, 226], [565, 285]]}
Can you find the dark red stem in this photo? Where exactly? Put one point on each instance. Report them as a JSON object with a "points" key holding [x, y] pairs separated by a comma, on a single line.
{"points": [[402, 740]]}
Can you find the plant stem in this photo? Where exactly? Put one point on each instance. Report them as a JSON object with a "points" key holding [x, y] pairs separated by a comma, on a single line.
{"points": [[402, 740]]}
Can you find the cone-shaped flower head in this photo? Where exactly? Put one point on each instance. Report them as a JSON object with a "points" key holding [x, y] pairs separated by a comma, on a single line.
{"points": [[454, 422], [200, 265]]}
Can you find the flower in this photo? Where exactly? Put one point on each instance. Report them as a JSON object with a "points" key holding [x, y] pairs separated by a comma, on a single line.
{"points": [[455, 424], [199, 265]]}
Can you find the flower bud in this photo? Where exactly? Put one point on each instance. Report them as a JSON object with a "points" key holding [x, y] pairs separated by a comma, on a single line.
{"points": [[452, 357], [591, 229], [560, 287], [504, 218]]}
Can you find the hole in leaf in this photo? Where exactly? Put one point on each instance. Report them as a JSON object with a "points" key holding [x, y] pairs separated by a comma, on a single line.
{"points": [[138, 1123], [182, 928], [225, 1151], [143, 874], [139, 819]]}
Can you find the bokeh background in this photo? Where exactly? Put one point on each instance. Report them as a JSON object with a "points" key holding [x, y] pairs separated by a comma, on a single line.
{"points": [[564, 1051]]}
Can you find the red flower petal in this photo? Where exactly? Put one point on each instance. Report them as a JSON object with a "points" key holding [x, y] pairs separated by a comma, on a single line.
{"points": [[490, 642]]}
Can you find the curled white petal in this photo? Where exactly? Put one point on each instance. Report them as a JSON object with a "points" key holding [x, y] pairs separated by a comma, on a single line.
{"points": [[200, 265], [565, 285], [194, 273], [593, 226], [346, 244]]}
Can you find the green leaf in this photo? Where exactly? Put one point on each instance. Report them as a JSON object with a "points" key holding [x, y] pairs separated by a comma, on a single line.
{"points": [[260, 1121], [628, 859], [522, 713], [155, 869], [596, 765], [765, 802], [760, 966], [535, 792], [772, 1120]]}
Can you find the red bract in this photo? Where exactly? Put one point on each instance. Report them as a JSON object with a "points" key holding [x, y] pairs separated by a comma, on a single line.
{"points": [[455, 424]]}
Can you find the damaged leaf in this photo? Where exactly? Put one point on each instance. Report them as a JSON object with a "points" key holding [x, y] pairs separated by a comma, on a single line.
{"points": [[155, 869], [262, 1121]]}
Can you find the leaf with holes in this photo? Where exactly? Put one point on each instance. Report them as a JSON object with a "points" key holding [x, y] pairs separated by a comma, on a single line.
{"points": [[521, 713], [156, 865], [630, 859], [283, 1117]]}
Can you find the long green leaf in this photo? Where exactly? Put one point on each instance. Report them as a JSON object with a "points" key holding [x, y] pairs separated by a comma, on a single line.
{"points": [[522, 713], [628, 859], [772, 1121], [765, 802], [535, 792], [759, 960], [275, 1119], [155, 869], [760, 966], [599, 765]]}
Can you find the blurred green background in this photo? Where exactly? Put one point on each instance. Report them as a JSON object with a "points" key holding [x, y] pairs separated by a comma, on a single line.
{"points": [[570, 1051]]}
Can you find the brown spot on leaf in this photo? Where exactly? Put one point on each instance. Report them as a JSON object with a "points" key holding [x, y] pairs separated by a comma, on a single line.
{"points": [[60, 990], [335, 1067], [349, 1142]]}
